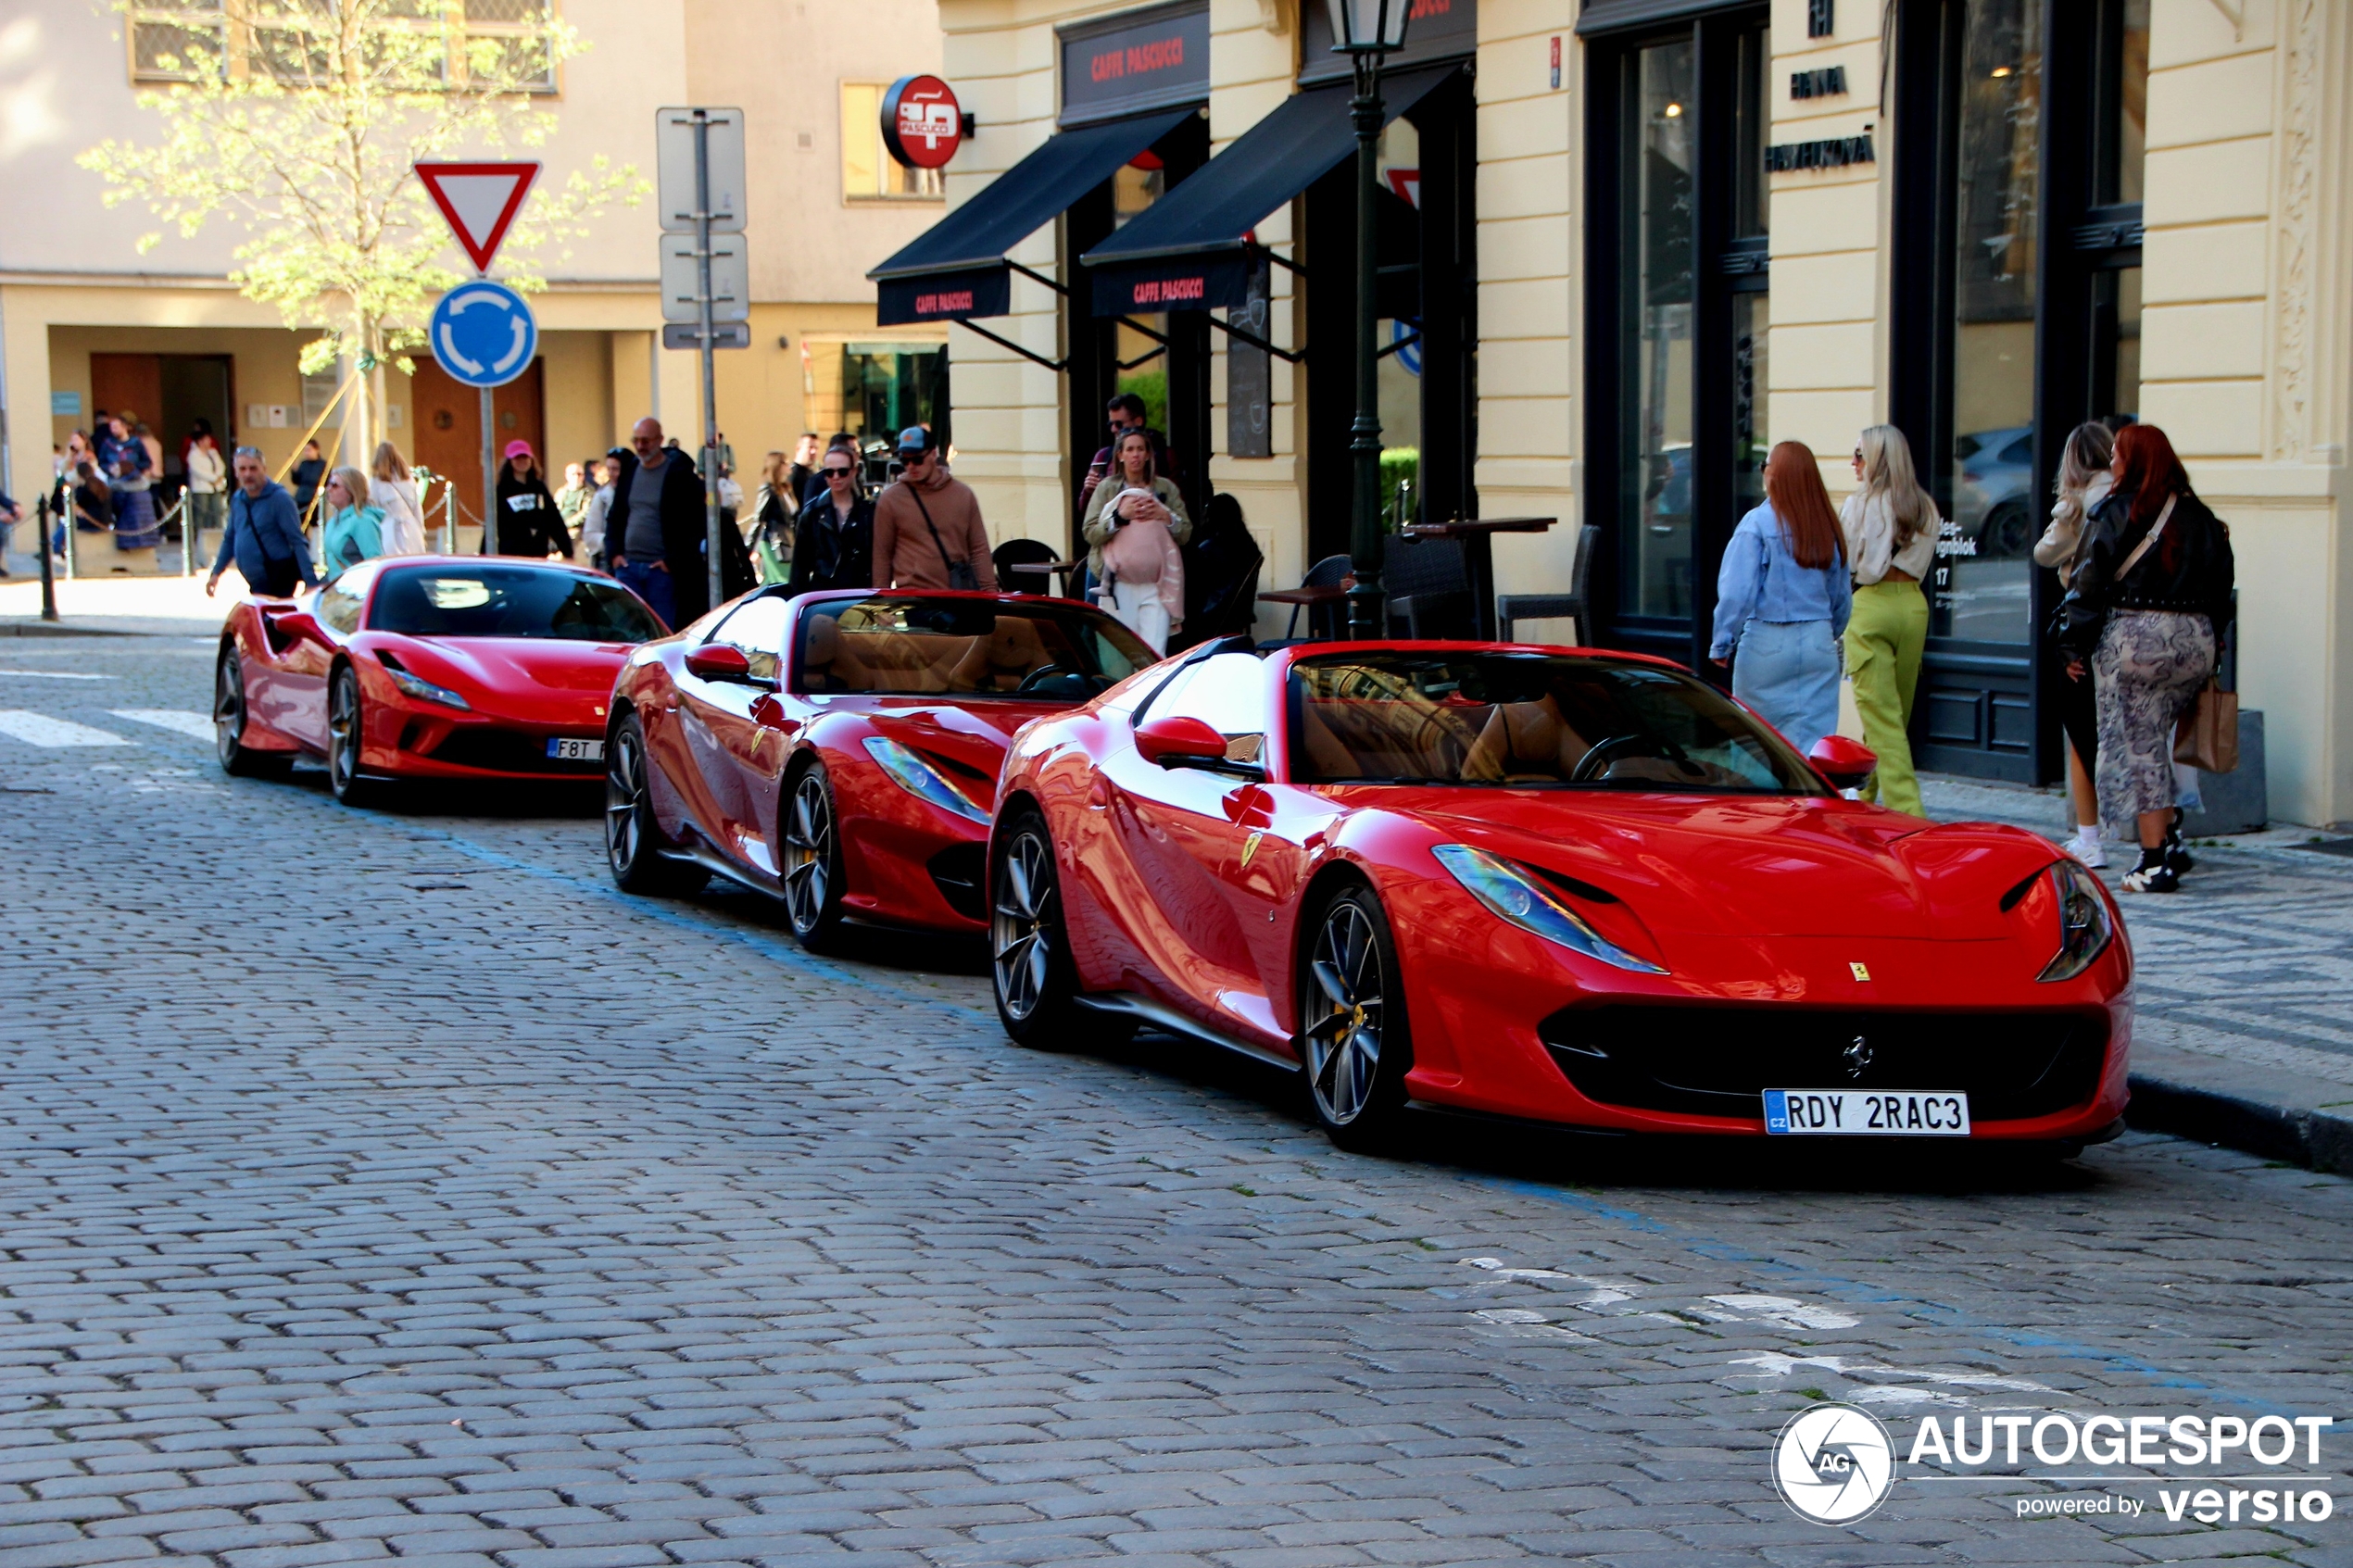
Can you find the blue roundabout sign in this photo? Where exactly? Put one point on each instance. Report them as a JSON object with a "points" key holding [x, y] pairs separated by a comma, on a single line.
{"points": [[483, 334]]}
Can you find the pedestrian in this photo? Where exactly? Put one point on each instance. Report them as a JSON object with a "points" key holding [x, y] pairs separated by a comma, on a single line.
{"points": [[1124, 413], [1782, 599], [308, 474], [128, 471], [2083, 482], [1222, 562], [158, 476], [353, 529], [929, 532], [264, 532], [208, 487], [1136, 528], [606, 469], [529, 523], [774, 510], [657, 532], [842, 441], [572, 501], [833, 537], [94, 502], [804, 477], [2151, 601], [731, 499], [393, 491], [11, 514], [1891, 527]]}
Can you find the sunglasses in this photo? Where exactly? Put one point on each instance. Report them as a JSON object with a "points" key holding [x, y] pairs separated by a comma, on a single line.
{"points": [[1859, 454], [836, 471]]}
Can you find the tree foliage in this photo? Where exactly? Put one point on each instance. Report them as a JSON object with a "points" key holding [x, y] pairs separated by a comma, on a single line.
{"points": [[301, 121]]}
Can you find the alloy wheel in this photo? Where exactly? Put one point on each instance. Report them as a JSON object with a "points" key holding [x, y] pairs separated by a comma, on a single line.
{"points": [[809, 854], [625, 803], [344, 730], [228, 710], [1344, 1040], [1020, 928]]}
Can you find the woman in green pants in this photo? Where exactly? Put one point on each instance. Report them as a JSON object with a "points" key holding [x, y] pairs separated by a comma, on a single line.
{"points": [[1891, 541]]}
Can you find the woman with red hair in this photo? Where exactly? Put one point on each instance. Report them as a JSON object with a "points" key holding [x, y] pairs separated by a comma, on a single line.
{"points": [[1783, 597], [2150, 600]]}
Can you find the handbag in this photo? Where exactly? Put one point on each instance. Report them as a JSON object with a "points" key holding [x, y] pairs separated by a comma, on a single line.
{"points": [[2208, 736], [960, 572]]}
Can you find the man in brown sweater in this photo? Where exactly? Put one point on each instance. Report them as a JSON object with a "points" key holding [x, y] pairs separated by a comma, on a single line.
{"points": [[928, 522]]}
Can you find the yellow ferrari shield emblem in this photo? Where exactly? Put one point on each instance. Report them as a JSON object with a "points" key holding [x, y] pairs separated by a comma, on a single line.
{"points": [[1249, 847], [1861, 972]]}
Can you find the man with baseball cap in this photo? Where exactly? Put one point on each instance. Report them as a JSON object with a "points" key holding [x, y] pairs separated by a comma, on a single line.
{"points": [[929, 532]]}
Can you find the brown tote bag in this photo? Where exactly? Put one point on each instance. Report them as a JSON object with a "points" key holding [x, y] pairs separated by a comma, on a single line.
{"points": [[2208, 736]]}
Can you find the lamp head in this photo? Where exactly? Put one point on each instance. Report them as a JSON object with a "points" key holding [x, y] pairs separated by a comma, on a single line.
{"points": [[1368, 26]]}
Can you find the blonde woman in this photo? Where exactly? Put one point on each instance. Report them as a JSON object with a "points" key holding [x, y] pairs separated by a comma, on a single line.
{"points": [[354, 530], [1891, 527], [2084, 483], [394, 494]]}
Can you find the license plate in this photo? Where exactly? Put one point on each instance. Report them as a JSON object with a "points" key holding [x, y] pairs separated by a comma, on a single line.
{"points": [[1937, 1113], [563, 749]]}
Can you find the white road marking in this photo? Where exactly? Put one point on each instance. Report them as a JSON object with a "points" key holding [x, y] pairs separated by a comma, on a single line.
{"points": [[39, 729], [1784, 1311], [196, 726], [54, 676]]}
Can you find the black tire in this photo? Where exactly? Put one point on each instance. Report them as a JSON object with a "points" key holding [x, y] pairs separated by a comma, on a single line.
{"points": [[812, 871], [1030, 972], [346, 726], [1355, 1044], [229, 725], [633, 839]]}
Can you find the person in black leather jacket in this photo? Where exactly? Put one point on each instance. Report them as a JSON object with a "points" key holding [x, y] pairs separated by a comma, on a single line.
{"points": [[834, 541], [2145, 620]]}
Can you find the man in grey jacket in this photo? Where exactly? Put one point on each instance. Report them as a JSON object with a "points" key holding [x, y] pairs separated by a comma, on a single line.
{"points": [[264, 537]]}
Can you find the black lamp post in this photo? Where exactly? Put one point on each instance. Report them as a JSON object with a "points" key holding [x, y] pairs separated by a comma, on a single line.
{"points": [[1365, 30]]}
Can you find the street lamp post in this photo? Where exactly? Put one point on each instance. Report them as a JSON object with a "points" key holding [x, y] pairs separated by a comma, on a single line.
{"points": [[1365, 30]]}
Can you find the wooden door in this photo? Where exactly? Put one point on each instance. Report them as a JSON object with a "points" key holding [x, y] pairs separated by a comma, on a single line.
{"points": [[131, 382], [446, 419]]}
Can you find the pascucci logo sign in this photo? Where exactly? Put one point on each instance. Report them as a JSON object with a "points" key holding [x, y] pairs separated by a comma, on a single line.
{"points": [[1834, 1464]]}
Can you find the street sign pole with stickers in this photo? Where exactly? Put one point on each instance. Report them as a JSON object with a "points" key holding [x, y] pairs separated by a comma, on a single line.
{"points": [[479, 201], [699, 152]]}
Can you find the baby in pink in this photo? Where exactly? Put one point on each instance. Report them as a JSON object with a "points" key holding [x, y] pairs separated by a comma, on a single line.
{"points": [[1145, 574]]}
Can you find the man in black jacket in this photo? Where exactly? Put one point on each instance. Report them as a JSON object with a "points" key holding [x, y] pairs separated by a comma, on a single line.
{"points": [[656, 528]]}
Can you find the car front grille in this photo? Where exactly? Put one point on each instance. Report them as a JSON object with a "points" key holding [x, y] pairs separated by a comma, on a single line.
{"points": [[1718, 1061], [508, 751]]}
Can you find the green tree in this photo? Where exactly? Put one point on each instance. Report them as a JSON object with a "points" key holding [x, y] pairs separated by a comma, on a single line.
{"points": [[301, 120]]}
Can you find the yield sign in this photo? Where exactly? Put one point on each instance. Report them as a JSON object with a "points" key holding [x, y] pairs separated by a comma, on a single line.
{"points": [[479, 200]]}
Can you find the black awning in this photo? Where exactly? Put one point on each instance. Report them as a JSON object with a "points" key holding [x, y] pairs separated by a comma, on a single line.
{"points": [[957, 267], [1185, 251]]}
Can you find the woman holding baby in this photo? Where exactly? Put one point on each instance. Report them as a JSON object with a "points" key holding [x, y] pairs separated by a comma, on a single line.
{"points": [[1135, 523]]}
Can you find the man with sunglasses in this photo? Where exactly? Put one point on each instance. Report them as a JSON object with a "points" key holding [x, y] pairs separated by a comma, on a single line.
{"points": [[834, 544]]}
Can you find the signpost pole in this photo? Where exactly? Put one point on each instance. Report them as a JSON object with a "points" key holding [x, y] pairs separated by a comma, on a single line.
{"points": [[703, 344], [489, 471]]}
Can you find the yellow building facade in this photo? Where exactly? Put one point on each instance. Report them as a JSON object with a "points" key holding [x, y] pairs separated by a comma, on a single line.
{"points": [[1626, 244]]}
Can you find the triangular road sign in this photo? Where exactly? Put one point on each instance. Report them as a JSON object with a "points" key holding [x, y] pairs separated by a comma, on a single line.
{"points": [[479, 200]]}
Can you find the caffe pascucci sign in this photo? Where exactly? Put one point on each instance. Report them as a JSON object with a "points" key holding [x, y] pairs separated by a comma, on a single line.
{"points": [[1135, 62]]}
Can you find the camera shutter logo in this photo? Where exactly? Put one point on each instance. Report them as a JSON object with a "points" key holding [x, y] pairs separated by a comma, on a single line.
{"points": [[1832, 1463]]}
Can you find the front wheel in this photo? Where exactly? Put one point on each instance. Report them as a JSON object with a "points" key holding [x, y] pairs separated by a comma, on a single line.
{"points": [[812, 860], [228, 719], [1355, 1049], [1037, 987], [633, 839], [347, 724]]}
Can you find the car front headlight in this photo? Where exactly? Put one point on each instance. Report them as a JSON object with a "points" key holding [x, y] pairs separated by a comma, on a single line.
{"points": [[919, 778], [2086, 926], [1518, 896], [425, 691]]}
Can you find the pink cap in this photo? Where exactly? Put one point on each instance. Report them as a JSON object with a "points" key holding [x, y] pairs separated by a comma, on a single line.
{"points": [[518, 450]]}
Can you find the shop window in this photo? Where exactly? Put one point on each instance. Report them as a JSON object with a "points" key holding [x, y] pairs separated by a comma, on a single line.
{"points": [[888, 386], [868, 172], [1660, 321]]}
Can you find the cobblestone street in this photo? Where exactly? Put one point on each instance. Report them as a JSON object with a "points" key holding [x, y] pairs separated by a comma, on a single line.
{"points": [[385, 1185]]}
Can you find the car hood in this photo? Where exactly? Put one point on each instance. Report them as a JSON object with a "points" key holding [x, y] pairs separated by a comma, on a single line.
{"points": [[1758, 866], [525, 677]]}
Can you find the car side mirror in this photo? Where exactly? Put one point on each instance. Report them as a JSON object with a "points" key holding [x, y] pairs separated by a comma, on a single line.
{"points": [[718, 661], [1173, 742], [1845, 763]]}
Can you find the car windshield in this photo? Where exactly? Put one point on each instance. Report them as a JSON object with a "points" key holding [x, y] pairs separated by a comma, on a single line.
{"points": [[509, 601], [1520, 720], [966, 648]]}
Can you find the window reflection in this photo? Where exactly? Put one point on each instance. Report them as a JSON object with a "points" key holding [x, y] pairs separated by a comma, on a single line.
{"points": [[1657, 505]]}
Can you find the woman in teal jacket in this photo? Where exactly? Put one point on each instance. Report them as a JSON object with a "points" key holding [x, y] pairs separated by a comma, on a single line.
{"points": [[354, 530]]}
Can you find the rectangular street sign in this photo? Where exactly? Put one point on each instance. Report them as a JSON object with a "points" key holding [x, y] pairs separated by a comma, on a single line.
{"points": [[682, 283], [724, 335], [674, 164]]}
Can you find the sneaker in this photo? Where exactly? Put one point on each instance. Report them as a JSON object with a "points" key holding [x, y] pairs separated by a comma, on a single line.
{"points": [[2088, 851], [2178, 859], [2157, 878]]}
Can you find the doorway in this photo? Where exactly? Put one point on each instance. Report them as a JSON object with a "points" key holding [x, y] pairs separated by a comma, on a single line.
{"points": [[171, 392], [449, 428]]}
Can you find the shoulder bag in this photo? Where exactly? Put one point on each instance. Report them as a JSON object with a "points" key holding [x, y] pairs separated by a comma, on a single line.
{"points": [[960, 572]]}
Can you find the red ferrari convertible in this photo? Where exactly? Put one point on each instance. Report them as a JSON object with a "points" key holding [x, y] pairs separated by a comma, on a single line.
{"points": [[840, 750], [1576, 887], [418, 667]]}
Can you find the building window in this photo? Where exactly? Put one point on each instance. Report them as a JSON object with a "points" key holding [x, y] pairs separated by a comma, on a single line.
{"points": [[187, 39], [868, 172]]}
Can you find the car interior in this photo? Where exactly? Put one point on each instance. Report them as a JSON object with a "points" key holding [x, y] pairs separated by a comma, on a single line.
{"points": [[903, 648]]}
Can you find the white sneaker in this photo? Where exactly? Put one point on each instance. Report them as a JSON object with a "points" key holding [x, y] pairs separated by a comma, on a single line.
{"points": [[2087, 850]]}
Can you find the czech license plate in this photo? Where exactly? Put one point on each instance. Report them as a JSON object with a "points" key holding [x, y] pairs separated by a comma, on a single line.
{"points": [[1871, 1113], [563, 749]]}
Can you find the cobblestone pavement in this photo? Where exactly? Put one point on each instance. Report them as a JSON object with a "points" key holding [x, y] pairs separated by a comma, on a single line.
{"points": [[381, 1184]]}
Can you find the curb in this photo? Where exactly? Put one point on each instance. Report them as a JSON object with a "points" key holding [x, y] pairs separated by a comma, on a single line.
{"points": [[56, 629], [2168, 1101]]}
